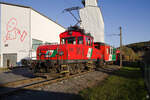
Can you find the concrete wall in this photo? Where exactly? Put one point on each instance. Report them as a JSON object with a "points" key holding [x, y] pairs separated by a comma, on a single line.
{"points": [[90, 2], [15, 31], [44, 29], [92, 22]]}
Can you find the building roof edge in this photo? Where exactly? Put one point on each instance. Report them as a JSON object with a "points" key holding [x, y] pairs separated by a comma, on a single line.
{"points": [[32, 9]]}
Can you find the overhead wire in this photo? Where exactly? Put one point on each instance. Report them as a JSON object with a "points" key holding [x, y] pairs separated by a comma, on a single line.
{"points": [[68, 2]]}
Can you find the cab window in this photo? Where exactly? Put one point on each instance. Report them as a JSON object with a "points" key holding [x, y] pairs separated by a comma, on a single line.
{"points": [[71, 40], [80, 40]]}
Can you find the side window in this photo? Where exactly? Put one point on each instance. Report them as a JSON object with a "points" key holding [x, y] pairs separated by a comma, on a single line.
{"points": [[91, 42], [88, 41], [110, 50], [36, 43], [62, 41], [80, 40], [107, 50]]}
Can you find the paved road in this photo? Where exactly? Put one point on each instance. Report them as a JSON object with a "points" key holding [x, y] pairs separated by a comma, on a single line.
{"points": [[15, 74]]}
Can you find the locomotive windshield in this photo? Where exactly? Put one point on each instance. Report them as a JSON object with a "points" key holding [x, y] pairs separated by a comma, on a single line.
{"points": [[70, 40]]}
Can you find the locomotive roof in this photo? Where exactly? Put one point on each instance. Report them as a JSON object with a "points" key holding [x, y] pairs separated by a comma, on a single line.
{"points": [[76, 31], [101, 43]]}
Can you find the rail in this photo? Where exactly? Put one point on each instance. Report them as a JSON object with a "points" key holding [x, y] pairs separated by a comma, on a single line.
{"points": [[33, 83]]}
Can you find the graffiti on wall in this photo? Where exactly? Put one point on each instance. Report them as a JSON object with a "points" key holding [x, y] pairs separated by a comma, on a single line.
{"points": [[13, 32]]}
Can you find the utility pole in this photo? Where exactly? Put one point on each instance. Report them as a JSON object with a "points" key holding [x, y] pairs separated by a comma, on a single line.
{"points": [[120, 46]]}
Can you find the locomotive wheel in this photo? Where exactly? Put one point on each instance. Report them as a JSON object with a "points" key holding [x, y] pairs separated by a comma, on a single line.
{"points": [[58, 68], [36, 68], [72, 68], [81, 67], [67, 74], [65, 70], [100, 63], [78, 68], [90, 65]]}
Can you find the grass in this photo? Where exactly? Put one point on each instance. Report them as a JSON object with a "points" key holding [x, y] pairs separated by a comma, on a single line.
{"points": [[124, 84]]}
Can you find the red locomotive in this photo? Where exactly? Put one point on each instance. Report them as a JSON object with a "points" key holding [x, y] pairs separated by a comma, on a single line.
{"points": [[76, 52]]}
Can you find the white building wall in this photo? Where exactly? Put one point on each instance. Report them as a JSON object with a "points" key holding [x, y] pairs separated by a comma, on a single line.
{"points": [[44, 29], [15, 33], [19, 25], [92, 20]]}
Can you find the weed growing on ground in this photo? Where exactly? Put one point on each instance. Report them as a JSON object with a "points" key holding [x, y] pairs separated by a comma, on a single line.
{"points": [[124, 84]]}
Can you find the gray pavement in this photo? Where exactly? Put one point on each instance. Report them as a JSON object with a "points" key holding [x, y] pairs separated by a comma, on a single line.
{"points": [[15, 74]]}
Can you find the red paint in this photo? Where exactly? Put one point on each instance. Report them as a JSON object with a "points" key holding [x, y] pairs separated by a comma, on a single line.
{"points": [[75, 51], [71, 51]]}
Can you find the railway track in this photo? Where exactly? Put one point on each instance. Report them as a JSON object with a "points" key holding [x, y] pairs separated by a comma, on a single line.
{"points": [[28, 84]]}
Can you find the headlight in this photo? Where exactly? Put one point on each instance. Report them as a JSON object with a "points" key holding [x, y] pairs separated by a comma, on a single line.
{"points": [[61, 53]]}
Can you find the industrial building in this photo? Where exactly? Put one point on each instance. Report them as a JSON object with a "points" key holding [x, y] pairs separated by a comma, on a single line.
{"points": [[21, 30], [92, 20]]}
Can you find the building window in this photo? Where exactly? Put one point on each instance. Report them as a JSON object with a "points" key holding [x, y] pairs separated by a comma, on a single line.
{"points": [[36, 43]]}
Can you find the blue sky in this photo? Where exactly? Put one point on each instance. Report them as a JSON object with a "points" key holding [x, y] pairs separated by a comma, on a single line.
{"points": [[132, 15]]}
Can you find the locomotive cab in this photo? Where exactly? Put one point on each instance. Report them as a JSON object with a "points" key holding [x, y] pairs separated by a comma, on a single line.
{"points": [[76, 36]]}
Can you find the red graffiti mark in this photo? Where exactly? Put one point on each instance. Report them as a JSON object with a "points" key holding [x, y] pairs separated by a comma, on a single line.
{"points": [[23, 35], [11, 25], [13, 32]]}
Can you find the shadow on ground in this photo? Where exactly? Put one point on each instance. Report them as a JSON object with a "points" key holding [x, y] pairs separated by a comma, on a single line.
{"points": [[16, 74], [23, 71], [39, 95]]}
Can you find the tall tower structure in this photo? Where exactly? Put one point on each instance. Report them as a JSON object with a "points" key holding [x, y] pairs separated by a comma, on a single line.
{"points": [[92, 20]]}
